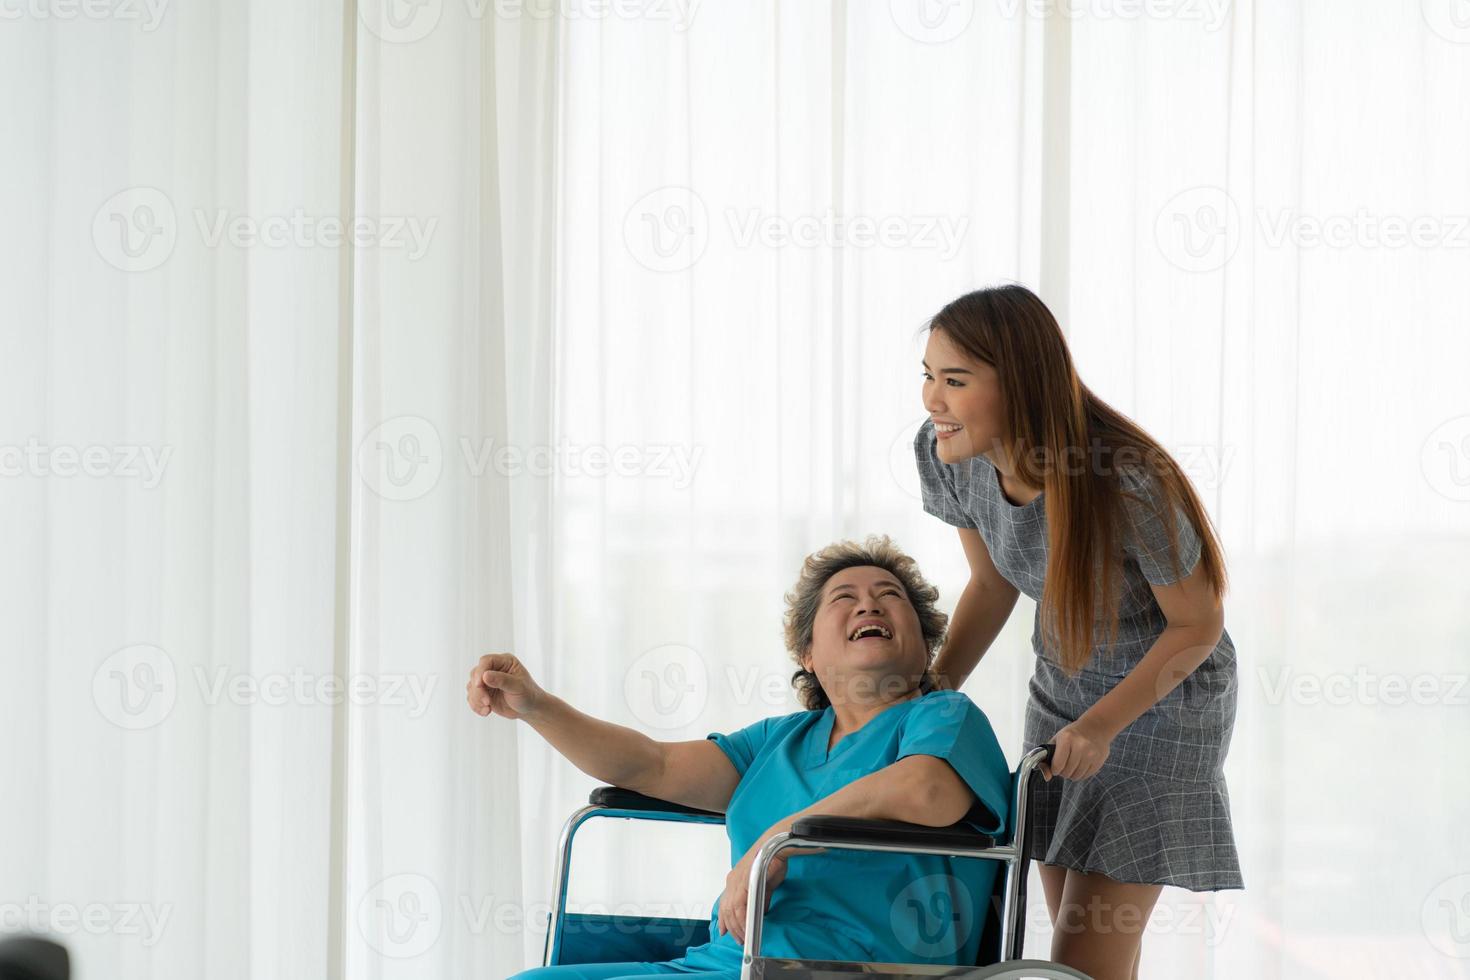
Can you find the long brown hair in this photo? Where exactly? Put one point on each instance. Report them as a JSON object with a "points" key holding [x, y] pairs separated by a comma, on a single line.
{"points": [[1050, 414]]}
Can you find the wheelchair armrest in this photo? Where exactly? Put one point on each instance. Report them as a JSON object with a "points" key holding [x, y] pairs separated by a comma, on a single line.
{"points": [[858, 831], [626, 799]]}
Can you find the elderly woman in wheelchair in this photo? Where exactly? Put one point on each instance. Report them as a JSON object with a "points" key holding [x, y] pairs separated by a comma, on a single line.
{"points": [[876, 740]]}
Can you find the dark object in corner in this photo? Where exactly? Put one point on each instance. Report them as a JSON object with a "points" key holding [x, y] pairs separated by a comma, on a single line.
{"points": [[33, 958]]}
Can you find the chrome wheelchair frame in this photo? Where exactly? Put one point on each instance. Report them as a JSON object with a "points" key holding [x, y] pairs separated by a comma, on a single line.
{"points": [[843, 833]]}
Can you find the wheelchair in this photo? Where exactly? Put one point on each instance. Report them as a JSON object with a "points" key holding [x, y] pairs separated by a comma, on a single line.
{"points": [[595, 938]]}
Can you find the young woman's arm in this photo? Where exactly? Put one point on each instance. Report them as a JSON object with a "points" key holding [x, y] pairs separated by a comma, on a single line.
{"points": [[1196, 620], [982, 610], [696, 774]]}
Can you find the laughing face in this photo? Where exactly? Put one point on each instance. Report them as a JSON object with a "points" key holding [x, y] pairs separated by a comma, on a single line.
{"points": [[962, 396], [866, 640]]}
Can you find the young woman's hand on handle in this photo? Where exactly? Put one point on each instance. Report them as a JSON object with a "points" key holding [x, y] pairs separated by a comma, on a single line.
{"points": [[501, 685]]}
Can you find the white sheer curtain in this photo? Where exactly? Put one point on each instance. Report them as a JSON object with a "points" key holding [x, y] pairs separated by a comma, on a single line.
{"points": [[251, 252], [1269, 251], [192, 818]]}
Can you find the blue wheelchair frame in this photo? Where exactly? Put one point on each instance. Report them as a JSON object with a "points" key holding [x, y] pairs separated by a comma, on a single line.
{"points": [[581, 938]]}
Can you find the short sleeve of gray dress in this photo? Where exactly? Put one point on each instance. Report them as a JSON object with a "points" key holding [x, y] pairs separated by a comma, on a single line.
{"points": [[1147, 537], [938, 487]]}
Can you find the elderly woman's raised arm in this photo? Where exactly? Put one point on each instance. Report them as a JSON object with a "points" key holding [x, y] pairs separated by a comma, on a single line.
{"points": [[694, 774]]}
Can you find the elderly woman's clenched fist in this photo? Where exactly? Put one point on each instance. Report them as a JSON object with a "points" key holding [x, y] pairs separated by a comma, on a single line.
{"points": [[501, 685]]}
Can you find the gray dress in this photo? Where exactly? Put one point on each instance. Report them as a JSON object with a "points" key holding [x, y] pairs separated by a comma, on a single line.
{"points": [[1158, 811]]}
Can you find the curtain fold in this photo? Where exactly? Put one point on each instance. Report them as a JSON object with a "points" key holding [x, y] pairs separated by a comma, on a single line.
{"points": [[164, 815], [234, 645]]}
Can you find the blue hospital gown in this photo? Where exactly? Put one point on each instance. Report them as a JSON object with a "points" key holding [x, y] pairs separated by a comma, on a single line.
{"points": [[853, 905]]}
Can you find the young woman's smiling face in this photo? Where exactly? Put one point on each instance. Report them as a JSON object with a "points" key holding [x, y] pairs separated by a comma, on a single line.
{"points": [[963, 398], [866, 637]]}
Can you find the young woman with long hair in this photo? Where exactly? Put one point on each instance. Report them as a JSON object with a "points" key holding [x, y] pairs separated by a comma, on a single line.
{"points": [[1058, 495]]}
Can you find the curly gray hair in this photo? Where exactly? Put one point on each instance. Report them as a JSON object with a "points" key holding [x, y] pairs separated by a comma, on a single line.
{"points": [[802, 602]]}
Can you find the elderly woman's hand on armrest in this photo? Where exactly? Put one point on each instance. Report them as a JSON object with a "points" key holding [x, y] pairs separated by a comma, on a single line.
{"points": [[694, 773]]}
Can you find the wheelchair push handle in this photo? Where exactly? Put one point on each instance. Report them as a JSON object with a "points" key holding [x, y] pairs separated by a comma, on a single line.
{"points": [[1033, 760], [1040, 755]]}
